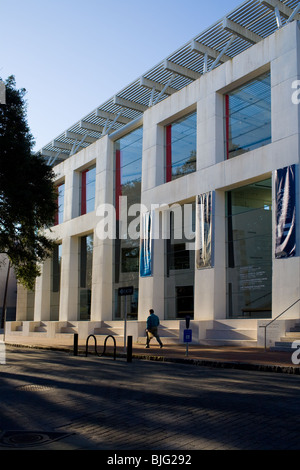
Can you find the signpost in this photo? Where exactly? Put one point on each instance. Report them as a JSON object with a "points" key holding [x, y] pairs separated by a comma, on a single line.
{"points": [[123, 292], [187, 335]]}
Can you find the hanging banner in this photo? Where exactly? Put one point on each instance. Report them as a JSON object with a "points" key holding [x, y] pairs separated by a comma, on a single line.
{"points": [[204, 231], [285, 194], [146, 245]]}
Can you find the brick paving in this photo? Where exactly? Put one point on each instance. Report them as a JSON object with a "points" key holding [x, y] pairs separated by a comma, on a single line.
{"points": [[98, 403]]}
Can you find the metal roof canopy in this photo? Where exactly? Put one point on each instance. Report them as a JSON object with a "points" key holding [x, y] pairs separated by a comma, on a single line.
{"points": [[248, 24]]}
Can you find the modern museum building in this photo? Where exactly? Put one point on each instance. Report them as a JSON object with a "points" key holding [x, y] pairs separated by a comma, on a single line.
{"points": [[183, 188]]}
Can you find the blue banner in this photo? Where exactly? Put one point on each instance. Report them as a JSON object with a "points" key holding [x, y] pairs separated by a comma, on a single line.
{"points": [[285, 187]]}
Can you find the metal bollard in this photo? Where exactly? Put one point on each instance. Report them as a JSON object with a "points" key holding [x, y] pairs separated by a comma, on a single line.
{"points": [[75, 349], [129, 349]]}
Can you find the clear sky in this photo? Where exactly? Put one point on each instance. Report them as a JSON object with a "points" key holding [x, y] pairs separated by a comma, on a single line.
{"points": [[71, 55]]}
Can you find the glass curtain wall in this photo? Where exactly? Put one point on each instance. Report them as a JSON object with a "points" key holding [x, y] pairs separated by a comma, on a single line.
{"points": [[181, 147], [128, 176], [249, 251], [248, 116], [85, 276], [180, 263], [55, 283]]}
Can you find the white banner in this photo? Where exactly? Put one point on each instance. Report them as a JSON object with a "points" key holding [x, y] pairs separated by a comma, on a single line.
{"points": [[146, 245], [204, 231]]}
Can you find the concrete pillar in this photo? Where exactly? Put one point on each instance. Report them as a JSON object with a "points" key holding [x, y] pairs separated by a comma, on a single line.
{"points": [[102, 287], [210, 283], [285, 71], [42, 293], [151, 289], [68, 308]]}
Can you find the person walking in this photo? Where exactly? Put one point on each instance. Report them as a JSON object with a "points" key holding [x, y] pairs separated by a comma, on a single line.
{"points": [[152, 328]]}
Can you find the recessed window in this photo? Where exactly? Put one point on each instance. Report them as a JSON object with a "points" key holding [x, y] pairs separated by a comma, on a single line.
{"points": [[85, 277], [128, 154], [248, 116], [249, 251], [181, 145], [59, 217], [88, 184]]}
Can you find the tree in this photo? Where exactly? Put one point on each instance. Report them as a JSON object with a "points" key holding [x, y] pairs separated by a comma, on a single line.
{"points": [[27, 193]]}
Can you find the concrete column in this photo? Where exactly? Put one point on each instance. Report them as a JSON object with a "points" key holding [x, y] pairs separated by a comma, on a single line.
{"points": [[25, 304], [69, 280], [151, 289], [42, 293], [210, 130], [102, 287], [285, 71], [210, 283]]}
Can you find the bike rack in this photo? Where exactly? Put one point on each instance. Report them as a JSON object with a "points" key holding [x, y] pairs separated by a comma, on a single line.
{"points": [[95, 340]]}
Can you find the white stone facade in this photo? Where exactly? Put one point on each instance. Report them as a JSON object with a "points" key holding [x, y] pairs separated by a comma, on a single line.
{"points": [[279, 53]]}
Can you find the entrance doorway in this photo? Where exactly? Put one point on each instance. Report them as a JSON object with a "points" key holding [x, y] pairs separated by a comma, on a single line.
{"points": [[249, 251]]}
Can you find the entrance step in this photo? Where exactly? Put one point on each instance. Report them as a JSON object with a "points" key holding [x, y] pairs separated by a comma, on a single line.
{"points": [[41, 328], [69, 328], [164, 339], [284, 346], [286, 342], [110, 328], [242, 333]]}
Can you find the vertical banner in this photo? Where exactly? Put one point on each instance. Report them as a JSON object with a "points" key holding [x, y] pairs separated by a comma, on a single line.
{"points": [[204, 231], [146, 245], [285, 187]]}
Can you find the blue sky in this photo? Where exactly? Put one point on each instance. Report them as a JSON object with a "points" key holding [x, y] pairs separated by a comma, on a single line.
{"points": [[72, 55]]}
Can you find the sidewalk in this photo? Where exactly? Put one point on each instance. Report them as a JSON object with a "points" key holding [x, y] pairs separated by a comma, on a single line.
{"points": [[225, 357]]}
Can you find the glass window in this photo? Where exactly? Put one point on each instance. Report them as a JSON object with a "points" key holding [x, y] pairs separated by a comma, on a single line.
{"points": [[248, 116], [88, 186], [128, 177], [60, 204], [249, 251], [181, 145], [180, 264], [85, 277], [129, 151]]}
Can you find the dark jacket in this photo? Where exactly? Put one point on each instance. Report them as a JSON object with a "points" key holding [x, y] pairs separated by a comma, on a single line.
{"points": [[152, 321]]}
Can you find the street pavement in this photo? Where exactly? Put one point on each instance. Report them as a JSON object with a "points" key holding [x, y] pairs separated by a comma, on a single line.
{"points": [[53, 400]]}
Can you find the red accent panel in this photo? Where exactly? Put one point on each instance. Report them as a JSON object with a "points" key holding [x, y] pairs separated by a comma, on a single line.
{"points": [[168, 153], [118, 183], [83, 192], [227, 124]]}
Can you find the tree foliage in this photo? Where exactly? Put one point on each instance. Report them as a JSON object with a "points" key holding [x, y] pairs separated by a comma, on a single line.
{"points": [[27, 193]]}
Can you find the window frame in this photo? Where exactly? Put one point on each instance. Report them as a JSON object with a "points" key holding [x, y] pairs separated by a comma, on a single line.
{"points": [[228, 128], [83, 191], [169, 150]]}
